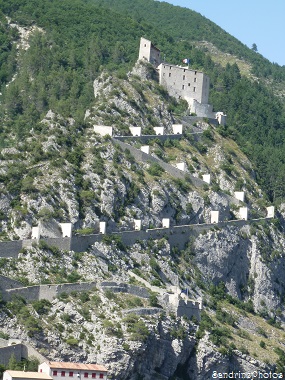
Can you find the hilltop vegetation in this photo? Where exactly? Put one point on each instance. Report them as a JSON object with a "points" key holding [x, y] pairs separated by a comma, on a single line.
{"points": [[77, 41], [55, 169]]}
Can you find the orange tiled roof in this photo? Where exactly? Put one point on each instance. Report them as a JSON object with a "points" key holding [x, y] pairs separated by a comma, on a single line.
{"points": [[29, 375], [78, 366]]}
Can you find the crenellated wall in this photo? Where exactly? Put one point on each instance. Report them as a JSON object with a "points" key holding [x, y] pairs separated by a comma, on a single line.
{"points": [[177, 236]]}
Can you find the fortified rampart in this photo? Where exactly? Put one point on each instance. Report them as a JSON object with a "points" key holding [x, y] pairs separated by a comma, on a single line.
{"points": [[7, 352], [8, 283], [144, 157], [146, 138], [189, 309], [20, 350], [182, 82], [177, 236], [125, 288], [48, 292]]}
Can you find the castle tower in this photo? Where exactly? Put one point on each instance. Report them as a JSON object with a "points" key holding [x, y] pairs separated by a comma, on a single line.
{"points": [[149, 52]]}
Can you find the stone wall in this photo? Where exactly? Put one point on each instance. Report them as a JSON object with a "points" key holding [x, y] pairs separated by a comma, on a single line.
{"points": [[10, 248], [125, 288], [201, 109], [20, 350], [146, 138], [144, 311], [38, 292], [63, 243], [7, 352], [177, 235], [173, 171], [189, 309], [83, 242], [8, 283]]}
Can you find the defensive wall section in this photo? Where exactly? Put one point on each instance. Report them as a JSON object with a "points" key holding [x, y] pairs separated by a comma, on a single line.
{"points": [[125, 288], [7, 352], [8, 283], [146, 138], [10, 248], [48, 292], [173, 171], [20, 350], [177, 236], [189, 309]]}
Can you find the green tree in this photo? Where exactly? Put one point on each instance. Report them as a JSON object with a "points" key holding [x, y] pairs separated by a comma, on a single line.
{"points": [[254, 47]]}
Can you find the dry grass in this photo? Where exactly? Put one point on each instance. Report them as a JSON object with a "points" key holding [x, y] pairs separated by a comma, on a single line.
{"points": [[273, 337]]}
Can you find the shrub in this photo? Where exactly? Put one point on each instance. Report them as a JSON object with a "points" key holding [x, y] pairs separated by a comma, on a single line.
{"points": [[139, 331], [155, 169], [42, 306], [262, 344], [72, 341]]}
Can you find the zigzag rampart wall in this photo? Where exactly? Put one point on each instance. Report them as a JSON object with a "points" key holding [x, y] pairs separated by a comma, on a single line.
{"points": [[172, 170]]}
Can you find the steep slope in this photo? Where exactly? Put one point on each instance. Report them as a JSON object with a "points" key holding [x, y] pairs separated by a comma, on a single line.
{"points": [[115, 298], [66, 172]]}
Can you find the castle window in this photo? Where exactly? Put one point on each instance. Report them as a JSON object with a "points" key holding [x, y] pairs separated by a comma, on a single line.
{"points": [[63, 373], [188, 84], [194, 89], [169, 75], [101, 376], [144, 45], [195, 72], [184, 70], [93, 375], [70, 374], [183, 77], [54, 373], [195, 79], [85, 374], [183, 87], [163, 74], [169, 67]]}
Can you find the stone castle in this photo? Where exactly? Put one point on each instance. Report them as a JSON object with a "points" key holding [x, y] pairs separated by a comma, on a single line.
{"points": [[182, 82]]}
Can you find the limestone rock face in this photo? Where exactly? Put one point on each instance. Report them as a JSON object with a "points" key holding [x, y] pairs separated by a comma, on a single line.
{"points": [[206, 362], [242, 263]]}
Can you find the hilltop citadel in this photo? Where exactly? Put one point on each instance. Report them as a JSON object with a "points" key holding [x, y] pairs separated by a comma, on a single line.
{"points": [[182, 82]]}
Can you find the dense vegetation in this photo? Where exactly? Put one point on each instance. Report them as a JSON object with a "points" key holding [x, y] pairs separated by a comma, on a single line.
{"points": [[185, 24], [81, 38]]}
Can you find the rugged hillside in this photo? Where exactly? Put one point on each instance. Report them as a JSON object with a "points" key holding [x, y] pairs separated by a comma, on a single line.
{"points": [[65, 172], [66, 54], [119, 301]]}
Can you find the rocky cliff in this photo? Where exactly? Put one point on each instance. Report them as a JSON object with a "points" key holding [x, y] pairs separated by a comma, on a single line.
{"points": [[64, 172]]}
